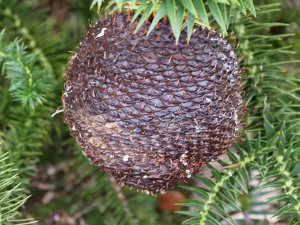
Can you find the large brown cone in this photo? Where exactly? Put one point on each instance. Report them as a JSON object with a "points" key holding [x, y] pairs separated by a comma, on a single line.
{"points": [[147, 111]]}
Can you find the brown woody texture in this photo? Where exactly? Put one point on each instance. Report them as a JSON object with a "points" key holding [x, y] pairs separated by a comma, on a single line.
{"points": [[148, 111]]}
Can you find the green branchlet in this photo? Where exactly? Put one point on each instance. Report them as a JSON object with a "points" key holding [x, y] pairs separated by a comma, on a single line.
{"points": [[11, 193], [28, 84]]}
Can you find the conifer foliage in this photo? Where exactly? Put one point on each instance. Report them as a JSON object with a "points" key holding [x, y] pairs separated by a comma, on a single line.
{"points": [[257, 181], [24, 123]]}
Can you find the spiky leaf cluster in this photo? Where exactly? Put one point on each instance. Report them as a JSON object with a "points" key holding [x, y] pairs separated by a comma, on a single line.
{"points": [[180, 13]]}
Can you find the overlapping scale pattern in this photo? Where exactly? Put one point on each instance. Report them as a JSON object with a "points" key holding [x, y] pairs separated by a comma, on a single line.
{"points": [[147, 111]]}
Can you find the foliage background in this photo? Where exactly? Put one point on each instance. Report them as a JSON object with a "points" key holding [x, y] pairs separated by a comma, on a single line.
{"points": [[39, 159]]}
